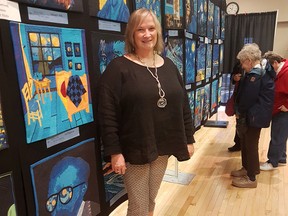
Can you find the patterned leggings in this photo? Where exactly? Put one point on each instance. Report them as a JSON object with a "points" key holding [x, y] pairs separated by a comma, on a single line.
{"points": [[142, 183]]}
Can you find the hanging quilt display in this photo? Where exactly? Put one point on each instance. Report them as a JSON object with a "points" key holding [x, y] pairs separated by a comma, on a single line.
{"points": [[66, 183], [3, 136], [190, 51], [152, 5], [67, 5], [174, 51], [53, 78], [173, 14], [110, 9], [7, 195], [106, 47]]}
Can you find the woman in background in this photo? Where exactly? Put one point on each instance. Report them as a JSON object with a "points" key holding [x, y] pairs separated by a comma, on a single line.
{"points": [[236, 76], [279, 127], [254, 103]]}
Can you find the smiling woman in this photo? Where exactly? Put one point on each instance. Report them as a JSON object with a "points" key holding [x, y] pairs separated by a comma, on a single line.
{"points": [[143, 112]]}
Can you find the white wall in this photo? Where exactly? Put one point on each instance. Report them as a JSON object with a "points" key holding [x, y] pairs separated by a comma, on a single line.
{"points": [[281, 39], [252, 6]]}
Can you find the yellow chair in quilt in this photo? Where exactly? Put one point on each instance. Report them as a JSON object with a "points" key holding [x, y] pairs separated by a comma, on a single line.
{"points": [[33, 107]]}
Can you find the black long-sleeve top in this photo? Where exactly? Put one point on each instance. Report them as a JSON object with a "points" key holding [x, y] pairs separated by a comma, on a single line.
{"points": [[132, 123]]}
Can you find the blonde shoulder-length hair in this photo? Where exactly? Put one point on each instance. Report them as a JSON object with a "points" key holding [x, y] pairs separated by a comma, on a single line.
{"points": [[135, 20]]}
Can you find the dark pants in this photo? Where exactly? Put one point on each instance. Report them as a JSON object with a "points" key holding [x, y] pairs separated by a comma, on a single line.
{"points": [[237, 139], [279, 135], [249, 138]]}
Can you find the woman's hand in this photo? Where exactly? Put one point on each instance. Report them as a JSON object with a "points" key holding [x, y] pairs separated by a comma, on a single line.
{"points": [[118, 163], [190, 149], [283, 108]]}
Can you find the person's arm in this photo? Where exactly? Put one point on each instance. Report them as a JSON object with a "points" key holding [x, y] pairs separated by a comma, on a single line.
{"points": [[109, 115], [284, 87]]}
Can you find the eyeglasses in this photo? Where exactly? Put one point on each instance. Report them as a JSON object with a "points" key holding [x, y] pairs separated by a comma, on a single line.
{"points": [[65, 195]]}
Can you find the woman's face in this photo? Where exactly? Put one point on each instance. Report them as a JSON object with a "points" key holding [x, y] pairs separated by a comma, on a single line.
{"points": [[145, 35], [275, 65], [247, 65], [237, 77]]}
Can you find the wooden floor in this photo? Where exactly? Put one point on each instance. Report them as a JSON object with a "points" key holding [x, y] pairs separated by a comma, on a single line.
{"points": [[210, 192]]}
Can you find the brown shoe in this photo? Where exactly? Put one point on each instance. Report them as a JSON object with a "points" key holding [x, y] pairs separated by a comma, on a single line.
{"points": [[239, 173], [244, 182]]}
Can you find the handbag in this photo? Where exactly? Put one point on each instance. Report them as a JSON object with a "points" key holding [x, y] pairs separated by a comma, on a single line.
{"points": [[229, 109]]}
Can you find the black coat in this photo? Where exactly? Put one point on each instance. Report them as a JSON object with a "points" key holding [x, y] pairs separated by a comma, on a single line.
{"points": [[255, 97]]}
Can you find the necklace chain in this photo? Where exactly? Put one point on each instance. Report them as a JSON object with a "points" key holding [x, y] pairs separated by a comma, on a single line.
{"points": [[155, 76], [162, 102]]}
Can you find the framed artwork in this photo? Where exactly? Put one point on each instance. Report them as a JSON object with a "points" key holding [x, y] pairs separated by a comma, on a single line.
{"points": [[66, 183], [78, 66], [106, 47], [199, 103], [216, 22], [68, 49], [70, 64], [202, 17], [214, 95], [77, 51], [206, 103], [191, 95], [173, 14], [68, 5], [152, 5], [7, 198], [110, 9], [174, 51], [210, 20], [208, 61], [3, 136], [191, 16], [215, 60], [227, 87], [222, 34], [201, 54], [53, 81], [113, 183], [190, 61]]}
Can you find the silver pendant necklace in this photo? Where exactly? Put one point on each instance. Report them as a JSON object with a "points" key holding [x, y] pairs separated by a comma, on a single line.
{"points": [[162, 102]]}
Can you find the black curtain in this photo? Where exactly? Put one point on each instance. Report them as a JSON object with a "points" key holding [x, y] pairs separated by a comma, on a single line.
{"points": [[240, 29]]}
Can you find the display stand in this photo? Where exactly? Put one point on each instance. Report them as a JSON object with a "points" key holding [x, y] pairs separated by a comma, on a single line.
{"points": [[216, 123], [174, 176]]}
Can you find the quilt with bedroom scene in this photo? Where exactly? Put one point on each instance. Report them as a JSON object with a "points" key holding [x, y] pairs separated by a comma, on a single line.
{"points": [[53, 78]]}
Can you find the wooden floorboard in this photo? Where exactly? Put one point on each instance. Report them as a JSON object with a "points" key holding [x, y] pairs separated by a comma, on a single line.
{"points": [[210, 193]]}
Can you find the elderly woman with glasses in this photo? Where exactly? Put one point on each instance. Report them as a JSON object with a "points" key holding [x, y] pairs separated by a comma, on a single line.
{"points": [[253, 106]]}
